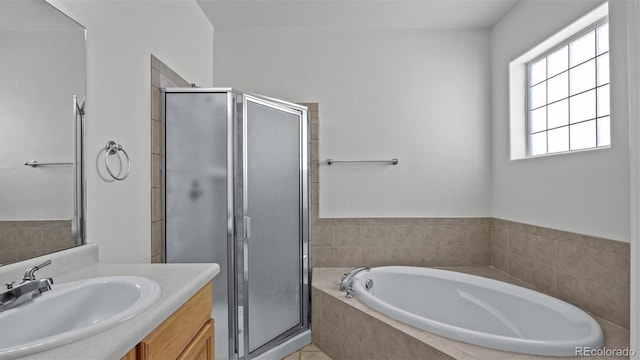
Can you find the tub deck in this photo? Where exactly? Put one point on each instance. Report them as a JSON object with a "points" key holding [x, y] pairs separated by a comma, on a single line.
{"points": [[349, 329]]}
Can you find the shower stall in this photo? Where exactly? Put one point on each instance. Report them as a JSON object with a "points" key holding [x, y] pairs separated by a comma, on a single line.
{"points": [[236, 192]]}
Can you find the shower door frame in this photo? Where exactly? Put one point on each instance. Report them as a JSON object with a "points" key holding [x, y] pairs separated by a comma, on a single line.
{"points": [[304, 194], [236, 225]]}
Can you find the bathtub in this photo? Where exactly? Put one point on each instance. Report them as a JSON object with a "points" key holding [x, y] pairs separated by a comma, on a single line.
{"points": [[478, 310]]}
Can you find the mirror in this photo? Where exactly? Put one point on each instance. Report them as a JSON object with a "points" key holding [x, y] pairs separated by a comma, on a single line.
{"points": [[42, 67]]}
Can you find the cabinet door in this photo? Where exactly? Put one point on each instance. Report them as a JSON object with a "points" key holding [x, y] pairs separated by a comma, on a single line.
{"points": [[174, 335], [131, 355], [202, 345]]}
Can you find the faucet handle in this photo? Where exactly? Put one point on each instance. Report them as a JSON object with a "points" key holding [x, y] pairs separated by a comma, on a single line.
{"points": [[29, 275], [9, 285]]}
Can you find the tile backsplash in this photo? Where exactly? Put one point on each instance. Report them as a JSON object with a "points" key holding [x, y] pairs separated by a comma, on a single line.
{"points": [[20, 240]]}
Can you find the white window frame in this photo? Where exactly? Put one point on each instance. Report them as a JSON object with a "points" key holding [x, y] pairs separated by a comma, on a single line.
{"points": [[519, 81]]}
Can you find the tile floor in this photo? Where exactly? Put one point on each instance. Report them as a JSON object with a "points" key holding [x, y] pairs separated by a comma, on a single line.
{"points": [[309, 352]]}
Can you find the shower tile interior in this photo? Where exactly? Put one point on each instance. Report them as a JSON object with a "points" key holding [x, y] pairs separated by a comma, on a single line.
{"points": [[161, 76]]}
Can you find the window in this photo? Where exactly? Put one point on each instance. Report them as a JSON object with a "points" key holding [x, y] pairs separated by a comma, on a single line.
{"points": [[568, 94]]}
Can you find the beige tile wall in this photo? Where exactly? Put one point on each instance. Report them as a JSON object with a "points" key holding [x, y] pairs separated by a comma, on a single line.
{"points": [[20, 240], [590, 272], [344, 332], [401, 241], [161, 76]]}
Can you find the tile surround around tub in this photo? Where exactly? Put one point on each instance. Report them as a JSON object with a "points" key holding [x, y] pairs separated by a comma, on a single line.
{"points": [[161, 76], [401, 241], [22, 240], [590, 272], [348, 329]]}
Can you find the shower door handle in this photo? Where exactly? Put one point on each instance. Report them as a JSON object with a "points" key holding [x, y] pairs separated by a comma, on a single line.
{"points": [[247, 227]]}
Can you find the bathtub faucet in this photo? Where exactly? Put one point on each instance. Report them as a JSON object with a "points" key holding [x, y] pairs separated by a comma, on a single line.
{"points": [[347, 279]]}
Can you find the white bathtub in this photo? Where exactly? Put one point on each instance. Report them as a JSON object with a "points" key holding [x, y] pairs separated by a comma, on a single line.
{"points": [[479, 310]]}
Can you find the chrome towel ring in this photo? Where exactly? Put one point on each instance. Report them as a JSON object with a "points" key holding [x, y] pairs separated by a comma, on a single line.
{"points": [[112, 148]]}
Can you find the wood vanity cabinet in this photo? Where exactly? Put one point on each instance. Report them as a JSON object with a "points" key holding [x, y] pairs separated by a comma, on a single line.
{"points": [[187, 334]]}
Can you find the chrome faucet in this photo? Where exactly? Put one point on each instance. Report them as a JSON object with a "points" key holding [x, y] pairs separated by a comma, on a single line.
{"points": [[28, 289], [347, 279]]}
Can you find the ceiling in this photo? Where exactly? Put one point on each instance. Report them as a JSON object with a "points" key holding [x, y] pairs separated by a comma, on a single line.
{"points": [[356, 14], [23, 15]]}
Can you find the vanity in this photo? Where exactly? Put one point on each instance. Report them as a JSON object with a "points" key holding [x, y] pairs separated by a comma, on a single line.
{"points": [[177, 326], [187, 334]]}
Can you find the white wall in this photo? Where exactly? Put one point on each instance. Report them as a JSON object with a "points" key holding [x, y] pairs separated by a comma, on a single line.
{"points": [[586, 192], [121, 36], [633, 25], [39, 78], [421, 96]]}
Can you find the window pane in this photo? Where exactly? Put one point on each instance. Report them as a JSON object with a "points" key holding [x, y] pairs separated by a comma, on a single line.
{"points": [[582, 49], [558, 114], [538, 95], [603, 101], [583, 77], [558, 61], [603, 38], [603, 69], [582, 107], [538, 143], [583, 135], [538, 120], [558, 87], [538, 71], [559, 139], [604, 131]]}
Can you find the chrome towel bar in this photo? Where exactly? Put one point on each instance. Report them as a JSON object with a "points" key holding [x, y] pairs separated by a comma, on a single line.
{"points": [[393, 161], [34, 163]]}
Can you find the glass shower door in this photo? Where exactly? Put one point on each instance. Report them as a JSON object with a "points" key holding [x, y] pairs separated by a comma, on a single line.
{"points": [[196, 191], [274, 169]]}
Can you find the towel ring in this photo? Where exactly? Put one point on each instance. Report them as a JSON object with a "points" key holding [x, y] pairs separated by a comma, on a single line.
{"points": [[112, 148]]}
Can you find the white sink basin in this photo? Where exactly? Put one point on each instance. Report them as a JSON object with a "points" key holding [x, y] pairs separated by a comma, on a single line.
{"points": [[73, 310]]}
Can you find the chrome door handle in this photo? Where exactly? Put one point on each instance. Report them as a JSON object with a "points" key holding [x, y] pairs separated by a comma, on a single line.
{"points": [[247, 227]]}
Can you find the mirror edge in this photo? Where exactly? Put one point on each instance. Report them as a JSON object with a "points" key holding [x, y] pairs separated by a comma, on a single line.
{"points": [[79, 207]]}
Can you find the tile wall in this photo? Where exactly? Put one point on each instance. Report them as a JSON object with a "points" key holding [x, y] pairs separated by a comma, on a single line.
{"points": [[345, 332], [590, 272], [401, 241], [161, 76], [20, 240]]}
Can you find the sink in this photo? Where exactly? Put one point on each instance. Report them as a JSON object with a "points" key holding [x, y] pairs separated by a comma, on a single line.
{"points": [[73, 310]]}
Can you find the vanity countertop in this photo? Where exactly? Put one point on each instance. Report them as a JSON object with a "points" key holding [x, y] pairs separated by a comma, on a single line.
{"points": [[178, 282]]}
